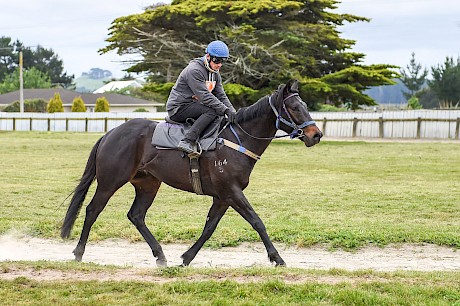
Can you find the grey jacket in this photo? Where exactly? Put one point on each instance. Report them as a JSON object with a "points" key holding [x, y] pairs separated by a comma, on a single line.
{"points": [[197, 84]]}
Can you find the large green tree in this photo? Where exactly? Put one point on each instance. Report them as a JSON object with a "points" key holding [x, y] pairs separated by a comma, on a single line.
{"points": [[270, 41], [44, 60], [446, 83]]}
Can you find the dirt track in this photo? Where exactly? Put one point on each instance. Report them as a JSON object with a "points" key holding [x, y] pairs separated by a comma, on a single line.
{"points": [[138, 255]]}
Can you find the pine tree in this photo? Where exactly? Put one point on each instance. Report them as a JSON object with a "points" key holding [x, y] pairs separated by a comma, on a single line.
{"points": [[102, 105], [78, 105], [55, 104], [414, 78]]}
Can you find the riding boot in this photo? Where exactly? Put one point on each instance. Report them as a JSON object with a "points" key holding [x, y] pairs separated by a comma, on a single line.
{"points": [[188, 143]]}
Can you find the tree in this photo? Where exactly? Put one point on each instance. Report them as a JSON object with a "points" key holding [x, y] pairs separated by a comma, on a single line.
{"points": [[7, 57], [413, 77], [446, 83], [102, 105], [270, 42], [55, 104], [33, 78], [78, 105], [44, 60]]}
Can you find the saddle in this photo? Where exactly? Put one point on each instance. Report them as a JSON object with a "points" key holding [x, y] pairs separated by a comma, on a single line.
{"points": [[167, 134]]}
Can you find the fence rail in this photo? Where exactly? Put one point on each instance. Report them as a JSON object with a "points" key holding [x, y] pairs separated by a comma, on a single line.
{"points": [[405, 124]]}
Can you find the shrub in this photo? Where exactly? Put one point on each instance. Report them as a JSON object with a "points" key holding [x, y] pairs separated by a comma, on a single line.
{"points": [[102, 105], [78, 106], [241, 95], [55, 104], [140, 110], [413, 103], [32, 106]]}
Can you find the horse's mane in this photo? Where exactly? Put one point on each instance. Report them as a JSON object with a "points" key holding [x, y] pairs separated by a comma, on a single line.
{"points": [[261, 107]]}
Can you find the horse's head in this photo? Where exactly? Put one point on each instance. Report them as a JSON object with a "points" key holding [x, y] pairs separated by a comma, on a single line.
{"points": [[293, 116]]}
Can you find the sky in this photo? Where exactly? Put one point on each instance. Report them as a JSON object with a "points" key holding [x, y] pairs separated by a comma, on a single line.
{"points": [[76, 30]]}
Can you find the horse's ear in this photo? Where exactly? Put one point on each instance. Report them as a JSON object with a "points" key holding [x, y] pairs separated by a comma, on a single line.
{"points": [[293, 86]]}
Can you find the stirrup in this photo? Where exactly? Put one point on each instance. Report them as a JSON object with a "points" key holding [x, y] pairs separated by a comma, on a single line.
{"points": [[197, 153]]}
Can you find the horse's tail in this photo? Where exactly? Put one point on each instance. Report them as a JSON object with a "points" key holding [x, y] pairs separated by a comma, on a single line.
{"points": [[80, 192]]}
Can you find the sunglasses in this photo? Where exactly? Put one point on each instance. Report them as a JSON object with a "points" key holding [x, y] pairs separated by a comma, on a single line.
{"points": [[219, 60]]}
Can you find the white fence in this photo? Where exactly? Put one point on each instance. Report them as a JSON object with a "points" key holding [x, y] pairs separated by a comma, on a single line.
{"points": [[428, 124]]}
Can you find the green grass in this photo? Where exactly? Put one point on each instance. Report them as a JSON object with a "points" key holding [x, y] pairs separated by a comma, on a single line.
{"points": [[248, 286], [344, 194]]}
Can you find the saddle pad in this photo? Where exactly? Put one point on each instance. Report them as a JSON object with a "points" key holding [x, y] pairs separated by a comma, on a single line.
{"points": [[168, 135]]}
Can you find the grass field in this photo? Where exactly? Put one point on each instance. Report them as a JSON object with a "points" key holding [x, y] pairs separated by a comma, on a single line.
{"points": [[343, 194], [248, 286], [346, 194]]}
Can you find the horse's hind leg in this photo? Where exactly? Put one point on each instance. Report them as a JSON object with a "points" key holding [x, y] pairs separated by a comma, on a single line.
{"points": [[216, 212], [146, 191], [94, 208]]}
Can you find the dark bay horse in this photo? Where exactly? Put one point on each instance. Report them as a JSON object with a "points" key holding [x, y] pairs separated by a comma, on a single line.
{"points": [[125, 154]]}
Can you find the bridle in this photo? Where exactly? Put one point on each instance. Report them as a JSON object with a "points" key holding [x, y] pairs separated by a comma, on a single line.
{"points": [[297, 131]]}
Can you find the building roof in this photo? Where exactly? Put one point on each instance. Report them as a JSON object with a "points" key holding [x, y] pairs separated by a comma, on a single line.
{"points": [[67, 97], [117, 85]]}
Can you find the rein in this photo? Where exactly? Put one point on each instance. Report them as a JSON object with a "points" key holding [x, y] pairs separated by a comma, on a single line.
{"points": [[297, 131]]}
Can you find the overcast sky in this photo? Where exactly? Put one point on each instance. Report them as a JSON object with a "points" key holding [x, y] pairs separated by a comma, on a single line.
{"points": [[75, 30]]}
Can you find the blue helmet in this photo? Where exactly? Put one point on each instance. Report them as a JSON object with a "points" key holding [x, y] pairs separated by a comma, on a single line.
{"points": [[217, 48]]}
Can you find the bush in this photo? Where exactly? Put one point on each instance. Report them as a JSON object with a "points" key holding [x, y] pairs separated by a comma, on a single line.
{"points": [[413, 103], [30, 106], [55, 104], [78, 106], [240, 95], [140, 110], [102, 105], [330, 108]]}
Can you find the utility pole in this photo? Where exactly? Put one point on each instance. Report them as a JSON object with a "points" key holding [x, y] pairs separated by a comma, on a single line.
{"points": [[21, 84]]}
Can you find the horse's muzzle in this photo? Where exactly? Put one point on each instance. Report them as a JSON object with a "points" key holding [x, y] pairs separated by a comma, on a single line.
{"points": [[311, 136]]}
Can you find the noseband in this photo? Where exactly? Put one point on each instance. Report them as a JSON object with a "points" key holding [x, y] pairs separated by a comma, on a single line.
{"points": [[297, 131]]}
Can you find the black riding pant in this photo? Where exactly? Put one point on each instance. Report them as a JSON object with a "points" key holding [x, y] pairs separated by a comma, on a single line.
{"points": [[202, 114]]}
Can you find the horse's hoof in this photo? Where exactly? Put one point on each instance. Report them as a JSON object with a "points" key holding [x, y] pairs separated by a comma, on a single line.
{"points": [[280, 264], [78, 258], [162, 263]]}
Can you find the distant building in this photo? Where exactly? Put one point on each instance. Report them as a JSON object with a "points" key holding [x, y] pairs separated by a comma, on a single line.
{"points": [[118, 103], [118, 85]]}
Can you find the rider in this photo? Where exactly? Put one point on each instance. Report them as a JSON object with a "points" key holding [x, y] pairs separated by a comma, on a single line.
{"points": [[199, 94]]}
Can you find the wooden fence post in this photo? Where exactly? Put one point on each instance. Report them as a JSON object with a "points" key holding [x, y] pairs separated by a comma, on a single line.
{"points": [[457, 128], [381, 127], [355, 126], [30, 124], [86, 124], [14, 124], [49, 124], [105, 124], [419, 127], [324, 126], [66, 124]]}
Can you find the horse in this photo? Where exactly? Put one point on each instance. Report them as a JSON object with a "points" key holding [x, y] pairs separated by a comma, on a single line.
{"points": [[125, 154]]}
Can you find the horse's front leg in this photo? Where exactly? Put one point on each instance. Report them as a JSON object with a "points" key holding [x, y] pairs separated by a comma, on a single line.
{"points": [[216, 212], [242, 206]]}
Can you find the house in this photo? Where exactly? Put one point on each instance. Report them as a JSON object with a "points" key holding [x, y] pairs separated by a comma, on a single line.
{"points": [[118, 85], [118, 103]]}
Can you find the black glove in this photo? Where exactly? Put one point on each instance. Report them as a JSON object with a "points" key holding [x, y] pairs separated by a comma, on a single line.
{"points": [[231, 115]]}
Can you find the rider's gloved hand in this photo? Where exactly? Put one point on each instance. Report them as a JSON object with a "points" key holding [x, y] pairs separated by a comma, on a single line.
{"points": [[231, 115]]}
